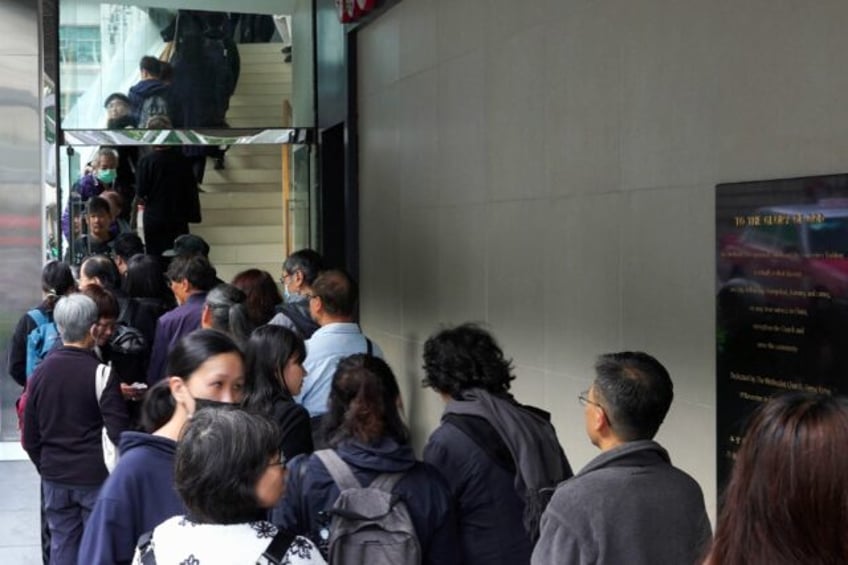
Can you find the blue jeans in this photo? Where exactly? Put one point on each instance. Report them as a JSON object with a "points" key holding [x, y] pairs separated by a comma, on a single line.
{"points": [[67, 508]]}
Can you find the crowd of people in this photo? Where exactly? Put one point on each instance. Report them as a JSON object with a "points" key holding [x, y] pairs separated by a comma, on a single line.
{"points": [[257, 425]]}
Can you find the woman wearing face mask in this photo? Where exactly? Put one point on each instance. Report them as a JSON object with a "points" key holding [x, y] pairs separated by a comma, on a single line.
{"points": [[205, 369], [102, 177], [274, 375]]}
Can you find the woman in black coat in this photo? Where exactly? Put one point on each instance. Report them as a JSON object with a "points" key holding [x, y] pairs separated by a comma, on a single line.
{"points": [[274, 374]]}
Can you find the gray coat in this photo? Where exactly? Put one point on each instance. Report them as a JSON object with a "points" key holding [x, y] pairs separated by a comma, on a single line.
{"points": [[628, 505]]}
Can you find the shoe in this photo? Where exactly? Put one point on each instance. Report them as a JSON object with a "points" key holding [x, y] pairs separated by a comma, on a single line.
{"points": [[286, 50], [219, 164], [288, 58]]}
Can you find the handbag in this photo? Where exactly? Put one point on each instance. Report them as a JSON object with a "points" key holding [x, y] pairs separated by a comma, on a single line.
{"points": [[110, 450]]}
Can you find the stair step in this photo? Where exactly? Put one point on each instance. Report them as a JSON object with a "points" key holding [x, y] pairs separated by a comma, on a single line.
{"points": [[280, 89], [240, 200], [244, 216], [242, 176], [275, 100], [242, 187], [243, 235], [254, 67], [253, 150], [246, 254], [255, 49], [258, 122], [236, 112], [235, 162]]}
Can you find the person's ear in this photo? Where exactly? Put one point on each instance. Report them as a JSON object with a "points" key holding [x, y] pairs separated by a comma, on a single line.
{"points": [[206, 317], [179, 390]]}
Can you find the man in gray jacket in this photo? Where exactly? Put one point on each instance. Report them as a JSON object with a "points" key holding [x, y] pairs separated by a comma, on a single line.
{"points": [[629, 504]]}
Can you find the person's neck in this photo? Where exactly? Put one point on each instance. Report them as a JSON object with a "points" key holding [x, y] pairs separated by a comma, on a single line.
{"points": [[99, 238], [85, 344], [174, 426], [327, 320], [608, 442]]}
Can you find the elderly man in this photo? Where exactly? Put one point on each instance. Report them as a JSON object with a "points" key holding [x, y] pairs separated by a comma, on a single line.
{"points": [[63, 421], [629, 504], [300, 270]]}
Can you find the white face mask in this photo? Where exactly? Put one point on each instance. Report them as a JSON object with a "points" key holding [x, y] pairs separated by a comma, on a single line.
{"points": [[288, 296]]}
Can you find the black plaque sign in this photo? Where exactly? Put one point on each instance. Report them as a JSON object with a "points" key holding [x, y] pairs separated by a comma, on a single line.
{"points": [[782, 296]]}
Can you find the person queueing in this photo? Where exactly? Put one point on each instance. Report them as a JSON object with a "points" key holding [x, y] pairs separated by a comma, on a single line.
{"points": [[63, 426], [166, 188], [274, 375], [205, 368], [228, 470], [366, 431], [787, 499]]}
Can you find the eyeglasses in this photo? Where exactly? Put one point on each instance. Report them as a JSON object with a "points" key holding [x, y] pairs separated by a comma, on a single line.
{"points": [[583, 399], [310, 296], [287, 275]]}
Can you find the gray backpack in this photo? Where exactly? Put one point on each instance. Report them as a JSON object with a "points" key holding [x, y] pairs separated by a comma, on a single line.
{"points": [[369, 524]]}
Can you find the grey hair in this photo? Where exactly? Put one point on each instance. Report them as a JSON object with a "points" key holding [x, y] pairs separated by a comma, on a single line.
{"points": [[74, 315], [229, 312], [108, 151]]}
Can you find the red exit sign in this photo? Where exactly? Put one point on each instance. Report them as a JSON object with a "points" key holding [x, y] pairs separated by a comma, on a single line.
{"points": [[352, 10]]}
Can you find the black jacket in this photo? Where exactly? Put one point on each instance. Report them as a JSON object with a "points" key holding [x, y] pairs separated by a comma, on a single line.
{"points": [[63, 421], [164, 179], [293, 420]]}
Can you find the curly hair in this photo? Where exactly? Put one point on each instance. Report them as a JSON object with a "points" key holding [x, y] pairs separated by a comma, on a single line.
{"points": [[464, 357]]}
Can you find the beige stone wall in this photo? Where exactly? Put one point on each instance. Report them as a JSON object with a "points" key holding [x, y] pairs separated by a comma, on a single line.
{"points": [[548, 167]]}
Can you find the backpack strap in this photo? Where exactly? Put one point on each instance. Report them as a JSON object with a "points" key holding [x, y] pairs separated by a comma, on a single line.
{"points": [[103, 372], [339, 470], [369, 346], [386, 482], [276, 551], [145, 549], [39, 317]]}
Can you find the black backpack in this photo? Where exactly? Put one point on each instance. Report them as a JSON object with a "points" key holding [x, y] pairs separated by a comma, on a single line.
{"points": [[153, 105], [130, 350]]}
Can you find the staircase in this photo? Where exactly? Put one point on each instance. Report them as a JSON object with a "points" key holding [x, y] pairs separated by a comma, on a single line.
{"points": [[242, 206]]}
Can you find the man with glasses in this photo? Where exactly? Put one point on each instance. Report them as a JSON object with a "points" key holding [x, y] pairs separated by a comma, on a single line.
{"points": [[300, 270], [629, 504], [333, 304]]}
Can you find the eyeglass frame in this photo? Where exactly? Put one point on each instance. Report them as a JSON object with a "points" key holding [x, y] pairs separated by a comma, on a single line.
{"points": [[282, 462], [288, 274], [583, 399]]}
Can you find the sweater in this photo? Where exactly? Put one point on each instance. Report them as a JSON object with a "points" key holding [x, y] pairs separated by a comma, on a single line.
{"points": [[63, 421]]}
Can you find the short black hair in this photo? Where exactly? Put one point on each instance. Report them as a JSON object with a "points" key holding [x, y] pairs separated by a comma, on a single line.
{"points": [[98, 205], [144, 278], [196, 269], [125, 245], [117, 96], [464, 357], [102, 267], [338, 292], [220, 458], [307, 261], [152, 65], [636, 392]]}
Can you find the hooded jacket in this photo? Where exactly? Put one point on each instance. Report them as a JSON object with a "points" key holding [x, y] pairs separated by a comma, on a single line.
{"points": [[137, 497], [144, 89], [311, 491], [628, 505]]}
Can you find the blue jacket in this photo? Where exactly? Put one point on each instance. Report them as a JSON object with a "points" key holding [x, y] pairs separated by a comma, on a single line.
{"points": [[489, 508], [136, 498], [313, 491]]}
